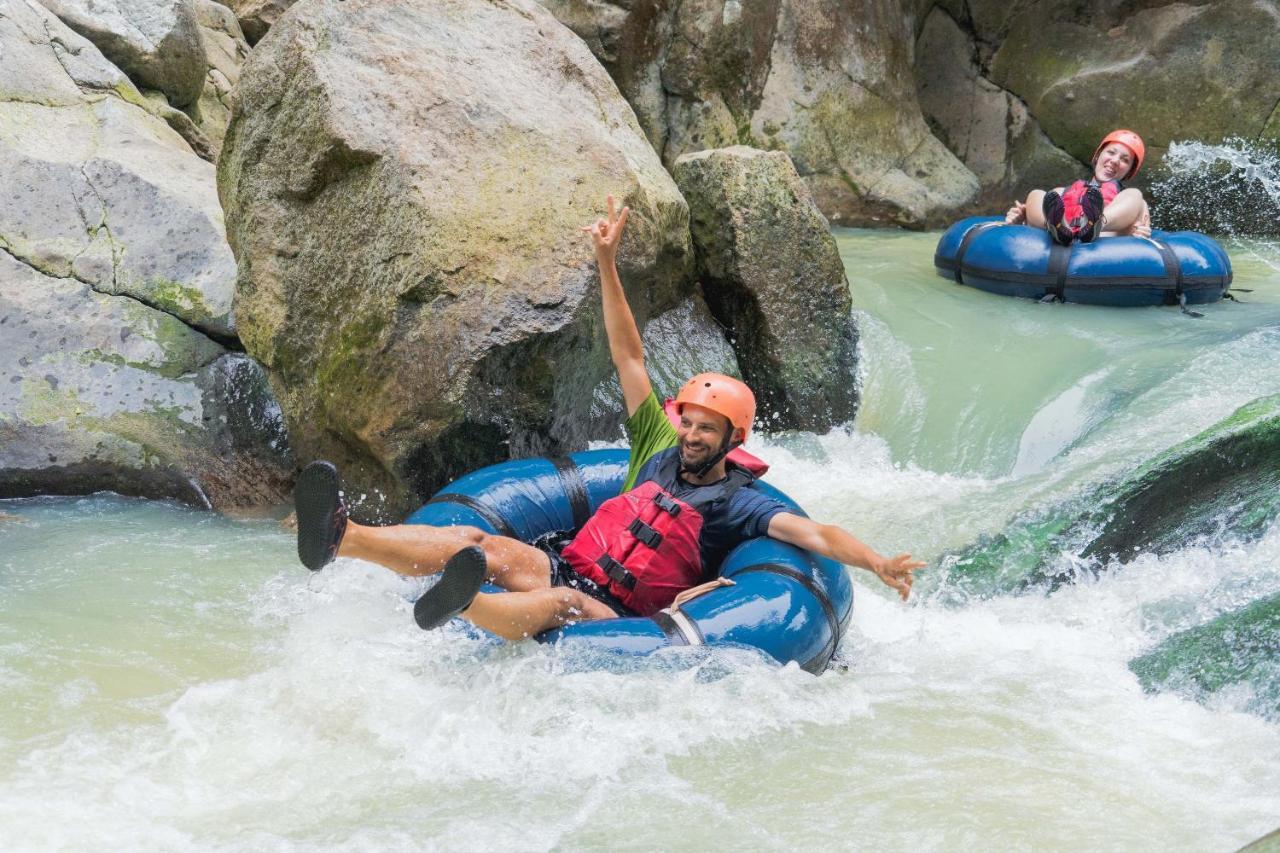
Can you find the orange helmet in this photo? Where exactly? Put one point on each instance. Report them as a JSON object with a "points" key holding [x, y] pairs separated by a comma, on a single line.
{"points": [[1129, 140], [723, 395]]}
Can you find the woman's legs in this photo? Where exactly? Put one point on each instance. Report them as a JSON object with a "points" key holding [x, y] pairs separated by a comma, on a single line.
{"points": [[1125, 213], [1035, 208]]}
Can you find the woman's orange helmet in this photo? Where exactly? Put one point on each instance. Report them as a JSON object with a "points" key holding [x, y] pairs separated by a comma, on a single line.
{"points": [[723, 395], [1129, 140]]}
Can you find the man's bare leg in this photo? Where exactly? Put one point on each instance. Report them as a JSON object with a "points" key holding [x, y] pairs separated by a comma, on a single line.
{"points": [[420, 549], [325, 532], [520, 615]]}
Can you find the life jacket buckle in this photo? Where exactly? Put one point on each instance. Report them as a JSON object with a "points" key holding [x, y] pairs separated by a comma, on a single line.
{"points": [[645, 534], [667, 504], [616, 571]]}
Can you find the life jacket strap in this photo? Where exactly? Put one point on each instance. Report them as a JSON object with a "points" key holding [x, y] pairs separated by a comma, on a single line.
{"points": [[616, 571], [667, 504], [645, 534]]}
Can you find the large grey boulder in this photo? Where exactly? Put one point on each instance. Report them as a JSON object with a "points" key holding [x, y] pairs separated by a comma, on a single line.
{"points": [[156, 42], [693, 70], [841, 100], [1172, 72], [988, 128], [771, 272], [99, 188], [127, 399], [115, 292], [826, 82], [404, 186]]}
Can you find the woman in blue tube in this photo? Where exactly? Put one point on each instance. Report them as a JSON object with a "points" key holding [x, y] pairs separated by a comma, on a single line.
{"points": [[1099, 207]]}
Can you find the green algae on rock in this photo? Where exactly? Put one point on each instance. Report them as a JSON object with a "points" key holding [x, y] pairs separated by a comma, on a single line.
{"points": [[771, 272], [1239, 649], [1222, 484]]}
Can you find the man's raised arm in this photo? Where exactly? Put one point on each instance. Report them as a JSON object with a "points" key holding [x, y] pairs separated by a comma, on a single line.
{"points": [[625, 345]]}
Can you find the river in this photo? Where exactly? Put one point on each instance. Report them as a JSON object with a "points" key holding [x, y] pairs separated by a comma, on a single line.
{"points": [[173, 679]]}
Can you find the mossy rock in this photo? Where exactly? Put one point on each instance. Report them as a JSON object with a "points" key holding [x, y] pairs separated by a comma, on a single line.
{"points": [[1218, 486], [1239, 648], [412, 272]]}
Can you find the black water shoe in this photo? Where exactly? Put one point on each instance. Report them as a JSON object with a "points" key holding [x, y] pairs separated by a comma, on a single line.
{"points": [[322, 514], [1091, 205], [454, 592], [1053, 209]]}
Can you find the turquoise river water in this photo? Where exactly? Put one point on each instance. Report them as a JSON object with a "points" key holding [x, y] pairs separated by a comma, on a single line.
{"points": [[173, 679]]}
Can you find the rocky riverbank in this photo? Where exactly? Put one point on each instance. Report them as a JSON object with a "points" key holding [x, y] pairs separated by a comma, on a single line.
{"points": [[399, 283]]}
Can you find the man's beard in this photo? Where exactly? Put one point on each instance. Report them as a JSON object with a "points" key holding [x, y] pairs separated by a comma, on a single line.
{"points": [[707, 457], [691, 458]]}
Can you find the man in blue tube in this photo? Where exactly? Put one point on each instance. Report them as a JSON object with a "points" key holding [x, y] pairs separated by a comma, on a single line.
{"points": [[687, 501]]}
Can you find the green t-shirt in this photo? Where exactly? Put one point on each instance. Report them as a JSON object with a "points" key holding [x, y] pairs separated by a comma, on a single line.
{"points": [[649, 432]]}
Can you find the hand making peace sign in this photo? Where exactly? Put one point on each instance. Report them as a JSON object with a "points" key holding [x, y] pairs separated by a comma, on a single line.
{"points": [[606, 234]]}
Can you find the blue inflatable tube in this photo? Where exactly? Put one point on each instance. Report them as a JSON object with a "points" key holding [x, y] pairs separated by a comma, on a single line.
{"points": [[1167, 268], [792, 605]]}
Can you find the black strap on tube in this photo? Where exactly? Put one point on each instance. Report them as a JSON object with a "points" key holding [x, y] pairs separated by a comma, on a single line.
{"points": [[833, 621], [575, 489], [967, 241], [488, 513], [1059, 262]]}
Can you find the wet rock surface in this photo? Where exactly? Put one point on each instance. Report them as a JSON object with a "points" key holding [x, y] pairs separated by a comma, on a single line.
{"points": [[127, 399], [1222, 485], [771, 272], [1236, 650]]}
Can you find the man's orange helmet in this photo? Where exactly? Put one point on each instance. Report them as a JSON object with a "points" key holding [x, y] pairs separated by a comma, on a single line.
{"points": [[723, 395], [1129, 140]]}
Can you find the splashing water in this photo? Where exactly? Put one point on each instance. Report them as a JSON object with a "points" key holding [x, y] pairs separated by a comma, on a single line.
{"points": [[1231, 189], [173, 680]]}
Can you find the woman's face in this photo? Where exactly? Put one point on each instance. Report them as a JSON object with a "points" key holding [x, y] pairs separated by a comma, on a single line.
{"points": [[1113, 163]]}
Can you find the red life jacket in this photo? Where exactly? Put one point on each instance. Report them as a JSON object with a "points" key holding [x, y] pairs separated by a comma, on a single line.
{"points": [[644, 546], [1073, 211]]}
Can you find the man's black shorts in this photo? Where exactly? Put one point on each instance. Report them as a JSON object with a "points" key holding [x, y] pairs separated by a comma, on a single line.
{"points": [[563, 574]]}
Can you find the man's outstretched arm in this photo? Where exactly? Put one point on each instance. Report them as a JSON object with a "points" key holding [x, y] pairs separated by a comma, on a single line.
{"points": [[625, 345], [840, 545]]}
